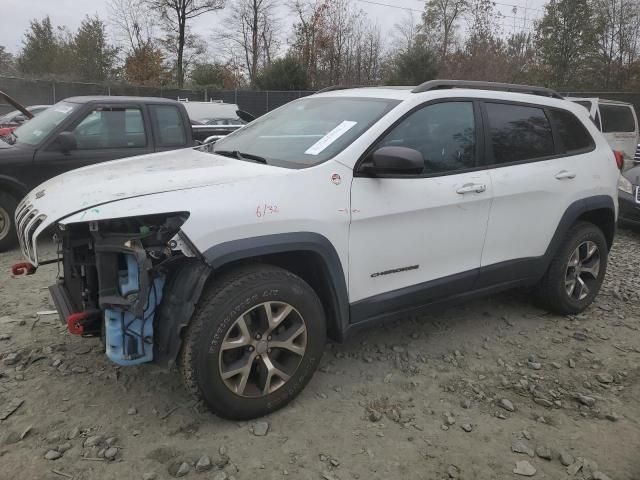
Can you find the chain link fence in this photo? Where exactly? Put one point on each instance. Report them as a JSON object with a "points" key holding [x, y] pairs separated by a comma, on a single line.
{"points": [[48, 92]]}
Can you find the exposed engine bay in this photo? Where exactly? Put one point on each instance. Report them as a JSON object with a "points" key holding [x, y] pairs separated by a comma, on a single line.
{"points": [[111, 280]]}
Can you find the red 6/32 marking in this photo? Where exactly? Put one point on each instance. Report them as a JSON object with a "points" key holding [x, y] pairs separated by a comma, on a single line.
{"points": [[266, 209]]}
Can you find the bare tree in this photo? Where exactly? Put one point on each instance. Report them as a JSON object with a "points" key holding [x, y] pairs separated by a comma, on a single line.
{"points": [[440, 19], [175, 15], [132, 23], [251, 33]]}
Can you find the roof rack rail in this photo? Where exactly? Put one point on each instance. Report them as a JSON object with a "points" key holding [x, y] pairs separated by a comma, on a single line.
{"points": [[506, 87], [339, 87]]}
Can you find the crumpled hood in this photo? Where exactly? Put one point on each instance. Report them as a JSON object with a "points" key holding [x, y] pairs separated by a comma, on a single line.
{"points": [[98, 184]]}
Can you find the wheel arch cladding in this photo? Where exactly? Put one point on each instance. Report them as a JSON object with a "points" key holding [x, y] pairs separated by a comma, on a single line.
{"points": [[599, 210], [181, 295], [13, 187], [308, 255]]}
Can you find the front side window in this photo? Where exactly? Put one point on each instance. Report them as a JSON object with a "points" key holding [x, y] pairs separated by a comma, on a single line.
{"points": [[111, 127], [518, 133], [308, 131], [444, 133], [572, 133], [617, 118], [169, 124]]}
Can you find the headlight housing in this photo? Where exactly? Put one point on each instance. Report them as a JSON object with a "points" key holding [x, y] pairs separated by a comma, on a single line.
{"points": [[625, 185]]}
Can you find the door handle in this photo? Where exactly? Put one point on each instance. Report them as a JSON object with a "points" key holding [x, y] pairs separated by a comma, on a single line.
{"points": [[565, 175], [471, 188]]}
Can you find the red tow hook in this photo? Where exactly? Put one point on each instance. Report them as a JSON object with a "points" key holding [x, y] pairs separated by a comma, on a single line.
{"points": [[23, 268], [75, 322]]}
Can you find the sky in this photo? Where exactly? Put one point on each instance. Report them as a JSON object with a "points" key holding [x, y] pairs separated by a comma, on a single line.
{"points": [[16, 15]]}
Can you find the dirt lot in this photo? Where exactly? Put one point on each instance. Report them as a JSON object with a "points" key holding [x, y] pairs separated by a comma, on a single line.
{"points": [[419, 399]]}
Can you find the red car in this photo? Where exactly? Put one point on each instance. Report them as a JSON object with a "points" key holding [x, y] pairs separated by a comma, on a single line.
{"points": [[12, 120]]}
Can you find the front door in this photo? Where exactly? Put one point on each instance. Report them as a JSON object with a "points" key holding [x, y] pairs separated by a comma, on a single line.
{"points": [[418, 237], [104, 133]]}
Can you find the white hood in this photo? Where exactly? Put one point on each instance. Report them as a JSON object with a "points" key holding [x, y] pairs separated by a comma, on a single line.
{"points": [[102, 183]]}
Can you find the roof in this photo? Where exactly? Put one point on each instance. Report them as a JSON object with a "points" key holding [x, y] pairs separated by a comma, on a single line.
{"points": [[118, 99]]}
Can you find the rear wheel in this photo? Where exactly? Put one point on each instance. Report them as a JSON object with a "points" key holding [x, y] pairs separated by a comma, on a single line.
{"points": [[576, 272], [8, 237], [254, 342]]}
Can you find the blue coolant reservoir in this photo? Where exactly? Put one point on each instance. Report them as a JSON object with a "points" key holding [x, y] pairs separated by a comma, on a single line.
{"points": [[129, 340]]}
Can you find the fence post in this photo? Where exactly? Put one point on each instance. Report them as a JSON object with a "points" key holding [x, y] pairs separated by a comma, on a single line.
{"points": [[267, 102], [109, 90], [235, 98], [205, 94], [53, 90]]}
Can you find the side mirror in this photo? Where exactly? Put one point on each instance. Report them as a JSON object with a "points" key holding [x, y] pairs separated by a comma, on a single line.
{"points": [[246, 116], [397, 160], [67, 142]]}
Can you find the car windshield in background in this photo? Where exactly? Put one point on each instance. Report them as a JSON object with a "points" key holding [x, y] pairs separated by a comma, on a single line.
{"points": [[308, 131], [38, 128]]}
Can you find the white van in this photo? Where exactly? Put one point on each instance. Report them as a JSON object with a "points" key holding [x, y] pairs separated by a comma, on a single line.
{"points": [[618, 123]]}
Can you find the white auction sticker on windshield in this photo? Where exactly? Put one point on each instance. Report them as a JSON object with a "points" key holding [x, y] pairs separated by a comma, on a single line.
{"points": [[330, 137]]}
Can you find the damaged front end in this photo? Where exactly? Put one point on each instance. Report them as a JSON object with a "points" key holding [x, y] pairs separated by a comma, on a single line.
{"points": [[114, 277]]}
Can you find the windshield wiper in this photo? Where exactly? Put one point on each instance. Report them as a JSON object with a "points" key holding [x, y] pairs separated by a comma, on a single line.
{"points": [[241, 155]]}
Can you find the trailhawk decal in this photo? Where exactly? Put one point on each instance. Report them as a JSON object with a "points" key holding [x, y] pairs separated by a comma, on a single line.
{"points": [[395, 270]]}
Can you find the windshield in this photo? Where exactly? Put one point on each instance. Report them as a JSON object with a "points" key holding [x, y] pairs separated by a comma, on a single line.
{"points": [[307, 131], [38, 128]]}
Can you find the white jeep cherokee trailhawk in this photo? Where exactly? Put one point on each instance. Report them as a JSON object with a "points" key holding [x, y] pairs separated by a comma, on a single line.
{"points": [[331, 213]]}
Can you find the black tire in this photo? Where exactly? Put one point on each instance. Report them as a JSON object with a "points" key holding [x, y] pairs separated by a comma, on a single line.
{"points": [[222, 303], [8, 236], [551, 291]]}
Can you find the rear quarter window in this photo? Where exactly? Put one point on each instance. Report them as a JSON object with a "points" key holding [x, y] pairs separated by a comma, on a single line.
{"points": [[572, 134], [617, 118]]}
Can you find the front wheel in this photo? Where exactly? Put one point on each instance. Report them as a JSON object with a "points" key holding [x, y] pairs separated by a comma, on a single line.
{"points": [[8, 237], [254, 341], [577, 271]]}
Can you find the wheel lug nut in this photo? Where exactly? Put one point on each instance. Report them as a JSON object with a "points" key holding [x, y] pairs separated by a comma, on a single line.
{"points": [[268, 350], [269, 338], [251, 348], [258, 336]]}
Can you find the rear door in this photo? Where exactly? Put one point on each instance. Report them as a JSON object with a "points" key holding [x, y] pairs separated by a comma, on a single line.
{"points": [[536, 174], [170, 129], [620, 128], [103, 132]]}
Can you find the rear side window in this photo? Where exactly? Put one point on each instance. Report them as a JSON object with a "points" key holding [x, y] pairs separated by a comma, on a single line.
{"points": [[518, 133], [617, 118], [573, 135], [168, 121]]}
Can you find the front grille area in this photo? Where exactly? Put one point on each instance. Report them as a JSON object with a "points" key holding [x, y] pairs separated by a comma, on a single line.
{"points": [[27, 222], [636, 157], [638, 194]]}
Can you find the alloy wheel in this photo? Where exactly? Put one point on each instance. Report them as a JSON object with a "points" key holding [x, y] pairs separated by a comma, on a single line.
{"points": [[583, 269], [263, 349]]}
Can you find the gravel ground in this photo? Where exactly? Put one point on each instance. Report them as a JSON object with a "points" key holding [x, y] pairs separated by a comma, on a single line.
{"points": [[475, 391]]}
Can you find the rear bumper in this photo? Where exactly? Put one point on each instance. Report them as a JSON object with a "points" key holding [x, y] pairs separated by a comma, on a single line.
{"points": [[629, 209]]}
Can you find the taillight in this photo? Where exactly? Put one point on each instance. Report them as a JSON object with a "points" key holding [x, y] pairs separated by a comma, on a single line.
{"points": [[619, 159]]}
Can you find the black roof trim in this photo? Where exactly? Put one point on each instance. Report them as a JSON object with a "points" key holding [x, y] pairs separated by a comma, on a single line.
{"points": [[339, 87], [118, 99], [506, 87]]}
